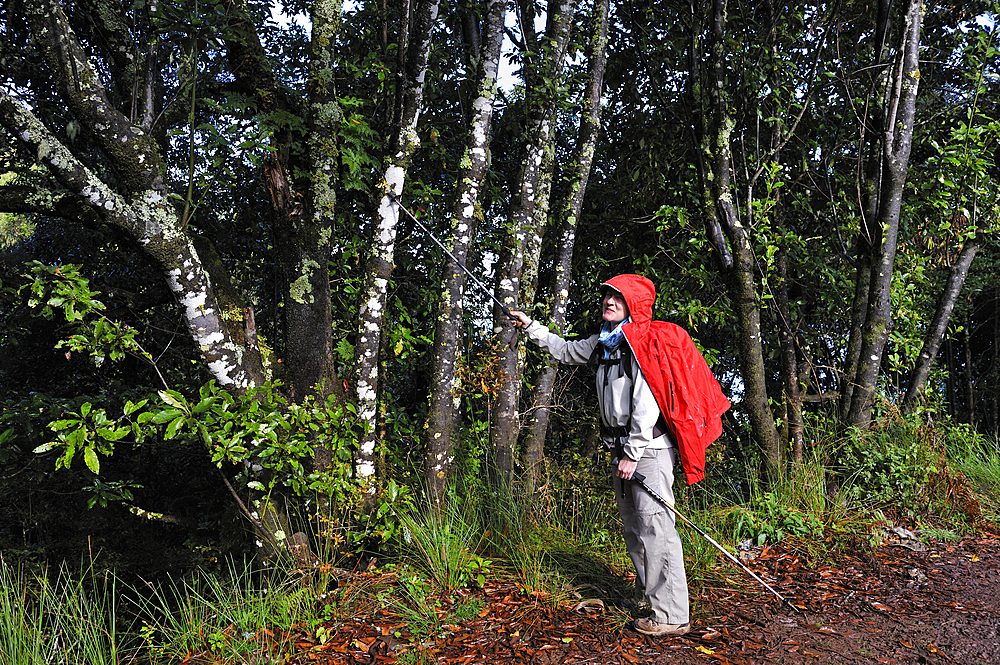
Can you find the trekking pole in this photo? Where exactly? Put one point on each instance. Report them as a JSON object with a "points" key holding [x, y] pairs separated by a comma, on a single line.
{"points": [[641, 481], [475, 280]]}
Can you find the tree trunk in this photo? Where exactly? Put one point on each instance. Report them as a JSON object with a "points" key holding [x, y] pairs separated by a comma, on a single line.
{"points": [[541, 72], [898, 135], [448, 328], [970, 387], [702, 131], [141, 209], [939, 323], [870, 235], [789, 363], [569, 214], [373, 294], [742, 286]]}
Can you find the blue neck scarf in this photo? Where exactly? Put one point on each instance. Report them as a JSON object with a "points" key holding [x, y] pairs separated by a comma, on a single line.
{"points": [[611, 337]]}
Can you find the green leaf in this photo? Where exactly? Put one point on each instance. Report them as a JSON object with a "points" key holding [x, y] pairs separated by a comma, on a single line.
{"points": [[174, 425], [174, 399], [90, 457], [164, 416], [131, 408], [45, 447]]}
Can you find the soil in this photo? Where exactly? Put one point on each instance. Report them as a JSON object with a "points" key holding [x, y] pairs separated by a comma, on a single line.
{"points": [[893, 605]]}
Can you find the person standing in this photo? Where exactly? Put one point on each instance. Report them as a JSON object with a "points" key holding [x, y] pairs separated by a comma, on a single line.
{"points": [[632, 425]]}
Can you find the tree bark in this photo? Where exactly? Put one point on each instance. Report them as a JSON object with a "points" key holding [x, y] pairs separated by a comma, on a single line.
{"points": [[448, 340], [970, 385], [742, 286], [939, 323], [898, 134], [789, 362], [541, 73], [702, 134], [870, 235], [569, 213], [378, 269], [140, 207]]}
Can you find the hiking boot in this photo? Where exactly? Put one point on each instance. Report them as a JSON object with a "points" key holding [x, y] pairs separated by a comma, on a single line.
{"points": [[650, 627]]}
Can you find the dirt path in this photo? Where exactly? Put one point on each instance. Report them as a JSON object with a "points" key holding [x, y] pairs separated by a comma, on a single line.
{"points": [[894, 606]]}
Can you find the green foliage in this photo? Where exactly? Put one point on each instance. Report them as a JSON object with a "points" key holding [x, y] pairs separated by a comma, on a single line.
{"points": [[768, 519], [261, 427], [889, 464], [89, 432], [102, 493], [359, 145], [63, 289]]}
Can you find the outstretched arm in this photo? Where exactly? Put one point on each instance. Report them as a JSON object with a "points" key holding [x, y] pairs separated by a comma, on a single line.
{"points": [[573, 353]]}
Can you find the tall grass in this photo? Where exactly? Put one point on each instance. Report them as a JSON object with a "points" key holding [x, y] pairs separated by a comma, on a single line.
{"points": [[443, 542], [241, 615], [979, 459], [68, 619]]}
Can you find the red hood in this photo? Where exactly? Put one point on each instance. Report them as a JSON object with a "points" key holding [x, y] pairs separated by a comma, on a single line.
{"points": [[639, 295]]}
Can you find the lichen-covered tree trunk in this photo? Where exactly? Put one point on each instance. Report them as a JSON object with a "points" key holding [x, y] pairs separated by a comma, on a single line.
{"points": [[900, 112], [547, 66], [448, 341], [939, 323], [742, 284], [568, 214], [701, 130], [378, 269], [301, 180], [139, 206]]}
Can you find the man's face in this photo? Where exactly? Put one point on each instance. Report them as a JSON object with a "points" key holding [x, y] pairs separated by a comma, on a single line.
{"points": [[613, 307]]}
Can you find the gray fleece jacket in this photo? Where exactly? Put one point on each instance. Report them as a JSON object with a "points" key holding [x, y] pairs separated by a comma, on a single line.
{"points": [[614, 389]]}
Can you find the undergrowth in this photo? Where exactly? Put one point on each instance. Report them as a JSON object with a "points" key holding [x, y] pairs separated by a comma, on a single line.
{"points": [[560, 545]]}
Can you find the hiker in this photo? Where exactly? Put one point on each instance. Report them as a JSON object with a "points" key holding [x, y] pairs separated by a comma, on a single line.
{"points": [[632, 425]]}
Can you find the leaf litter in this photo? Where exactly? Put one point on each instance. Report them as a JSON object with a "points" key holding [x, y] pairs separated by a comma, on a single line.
{"points": [[869, 608]]}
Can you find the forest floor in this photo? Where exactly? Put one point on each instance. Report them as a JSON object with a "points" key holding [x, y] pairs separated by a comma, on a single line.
{"points": [[893, 605]]}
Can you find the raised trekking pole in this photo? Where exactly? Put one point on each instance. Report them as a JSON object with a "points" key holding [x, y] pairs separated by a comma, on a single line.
{"points": [[475, 280], [641, 481]]}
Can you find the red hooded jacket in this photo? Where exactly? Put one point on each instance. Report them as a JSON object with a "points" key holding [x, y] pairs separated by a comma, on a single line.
{"points": [[685, 389]]}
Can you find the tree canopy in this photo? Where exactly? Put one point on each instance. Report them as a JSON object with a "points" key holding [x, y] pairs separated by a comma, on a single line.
{"points": [[203, 239]]}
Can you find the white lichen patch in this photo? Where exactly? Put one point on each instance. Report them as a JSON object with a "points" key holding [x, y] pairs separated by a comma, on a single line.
{"points": [[222, 370]]}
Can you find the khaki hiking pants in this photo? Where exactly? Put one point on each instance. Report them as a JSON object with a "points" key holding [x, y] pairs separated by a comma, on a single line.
{"points": [[652, 540]]}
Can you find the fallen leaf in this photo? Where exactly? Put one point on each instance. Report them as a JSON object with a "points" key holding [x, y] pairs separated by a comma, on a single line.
{"points": [[704, 650], [810, 653], [827, 630], [711, 635], [974, 557], [934, 649], [567, 640], [906, 644]]}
